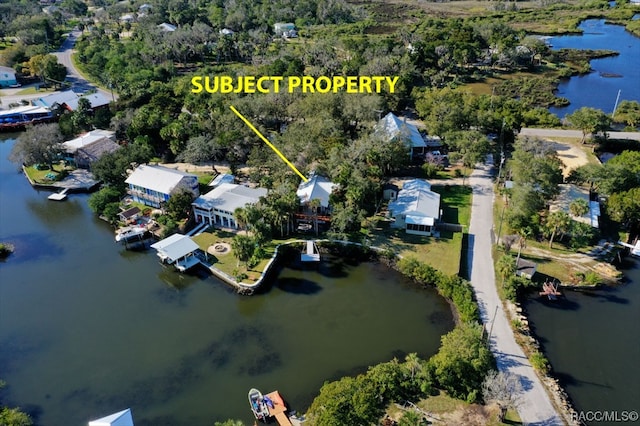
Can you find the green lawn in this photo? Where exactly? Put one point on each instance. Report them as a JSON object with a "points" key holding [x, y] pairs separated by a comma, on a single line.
{"points": [[40, 176], [443, 252]]}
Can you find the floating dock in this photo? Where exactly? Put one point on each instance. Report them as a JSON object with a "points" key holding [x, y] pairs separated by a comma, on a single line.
{"points": [[59, 196]]}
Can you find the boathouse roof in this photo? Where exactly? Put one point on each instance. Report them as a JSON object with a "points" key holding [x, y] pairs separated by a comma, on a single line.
{"points": [[175, 247], [121, 418]]}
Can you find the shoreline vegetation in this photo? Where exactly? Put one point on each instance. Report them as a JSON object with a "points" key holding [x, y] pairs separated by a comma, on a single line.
{"points": [[153, 113]]}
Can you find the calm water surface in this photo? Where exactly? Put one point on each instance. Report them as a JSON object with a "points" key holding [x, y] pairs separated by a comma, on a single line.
{"points": [[592, 339], [87, 328], [595, 90]]}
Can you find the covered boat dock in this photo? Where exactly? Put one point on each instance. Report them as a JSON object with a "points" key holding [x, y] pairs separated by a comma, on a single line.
{"points": [[178, 250]]}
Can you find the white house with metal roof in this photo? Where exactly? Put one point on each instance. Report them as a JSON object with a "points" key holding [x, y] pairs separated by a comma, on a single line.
{"points": [[121, 418], [216, 207], [153, 185], [317, 187], [392, 127], [417, 208]]}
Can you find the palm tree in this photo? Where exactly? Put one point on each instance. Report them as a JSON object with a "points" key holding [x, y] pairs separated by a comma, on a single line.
{"points": [[506, 267], [241, 217], [523, 234], [412, 362], [579, 207], [315, 205], [557, 222]]}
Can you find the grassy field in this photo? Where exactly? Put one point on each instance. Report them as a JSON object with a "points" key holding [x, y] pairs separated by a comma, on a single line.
{"points": [[454, 411]]}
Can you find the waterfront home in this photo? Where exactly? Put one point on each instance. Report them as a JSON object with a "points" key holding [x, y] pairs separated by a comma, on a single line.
{"points": [[153, 185], [316, 188], [89, 147], [96, 101], [178, 250], [216, 207], [416, 209], [55, 99], [69, 99], [570, 193], [21, 116], [121, 418], [7, 77], [391, 127]]}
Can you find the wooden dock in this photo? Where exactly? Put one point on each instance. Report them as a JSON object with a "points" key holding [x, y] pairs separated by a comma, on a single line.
{"points": [[550, 290], [278, 408]]}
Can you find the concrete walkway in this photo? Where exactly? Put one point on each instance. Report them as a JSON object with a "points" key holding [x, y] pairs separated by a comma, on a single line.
{"points": [[535, 407]]}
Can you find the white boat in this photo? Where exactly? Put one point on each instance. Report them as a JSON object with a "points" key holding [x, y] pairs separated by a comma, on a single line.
{"points": [[127, 233], [258, 406]]}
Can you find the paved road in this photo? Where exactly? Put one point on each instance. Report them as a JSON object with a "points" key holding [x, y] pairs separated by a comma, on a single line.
{"points": [[536, 407], [79, 84], [559, 133]]}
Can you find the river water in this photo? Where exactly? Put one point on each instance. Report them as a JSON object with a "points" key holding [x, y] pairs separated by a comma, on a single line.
{"points": [[598, 89], [87, 328]]}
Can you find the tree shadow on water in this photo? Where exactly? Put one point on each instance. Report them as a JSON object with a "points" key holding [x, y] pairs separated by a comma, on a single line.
{"points": [[298, 286]]}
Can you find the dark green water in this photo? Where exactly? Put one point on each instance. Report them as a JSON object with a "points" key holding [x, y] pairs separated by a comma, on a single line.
{"points": [[593, 342], [87, 329]]}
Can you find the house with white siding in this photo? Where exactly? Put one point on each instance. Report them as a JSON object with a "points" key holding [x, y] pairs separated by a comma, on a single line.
{"points": [[216, 207], [417, 208], [153, 185]]}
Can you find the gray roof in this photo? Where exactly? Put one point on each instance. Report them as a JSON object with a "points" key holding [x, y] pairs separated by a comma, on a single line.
{"points": [[391, 127], [96, 100], [97, 149], [156, 178], [175, 246], [416, 199], [229, 196], [316, 187], [56, 98]]}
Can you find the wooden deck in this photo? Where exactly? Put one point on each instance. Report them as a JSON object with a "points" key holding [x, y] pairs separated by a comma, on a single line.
{"points": [[279, 409]]}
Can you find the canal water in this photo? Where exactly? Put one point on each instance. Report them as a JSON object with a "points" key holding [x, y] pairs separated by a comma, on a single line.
{"points": [[592, 339], [599, 88], [87, 328]]}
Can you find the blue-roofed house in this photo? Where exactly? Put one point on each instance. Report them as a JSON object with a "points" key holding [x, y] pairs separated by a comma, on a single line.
{"points": [[154, 185], [417, 208]]}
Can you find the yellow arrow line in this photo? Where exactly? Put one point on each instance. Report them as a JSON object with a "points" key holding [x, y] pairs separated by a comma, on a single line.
{"points": [[252, 127]]}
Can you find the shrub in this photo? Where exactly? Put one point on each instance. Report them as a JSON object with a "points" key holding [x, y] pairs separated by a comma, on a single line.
{"points": [[539, 362]]}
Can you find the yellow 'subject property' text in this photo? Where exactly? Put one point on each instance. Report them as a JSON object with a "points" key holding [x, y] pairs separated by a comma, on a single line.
{"points": [[293, 84]]}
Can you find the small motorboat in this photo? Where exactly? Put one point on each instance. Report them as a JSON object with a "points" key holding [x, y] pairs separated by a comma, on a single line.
{"points": [[258, 406], [129, 233]]}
